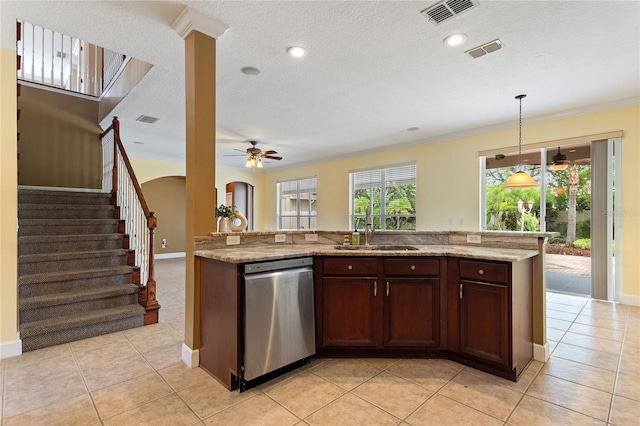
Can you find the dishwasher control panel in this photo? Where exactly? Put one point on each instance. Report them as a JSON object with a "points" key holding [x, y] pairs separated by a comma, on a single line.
{"points": [[276, 265]]}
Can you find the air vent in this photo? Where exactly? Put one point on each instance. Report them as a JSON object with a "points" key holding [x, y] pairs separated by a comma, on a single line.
{"points": [[492, 46], [147, 119], [445, 10]]}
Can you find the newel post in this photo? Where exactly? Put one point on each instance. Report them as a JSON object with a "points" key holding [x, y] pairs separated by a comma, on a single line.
{"points": [[151, 304]]}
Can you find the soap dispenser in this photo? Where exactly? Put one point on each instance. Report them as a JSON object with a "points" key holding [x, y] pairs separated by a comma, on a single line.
{"points": [[355, 238]]}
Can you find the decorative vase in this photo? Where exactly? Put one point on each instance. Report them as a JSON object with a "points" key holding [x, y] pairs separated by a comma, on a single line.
{"points": [[223, 224], [239, 223]]}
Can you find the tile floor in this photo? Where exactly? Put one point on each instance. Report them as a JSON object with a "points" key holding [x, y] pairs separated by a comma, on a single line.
{"points": [[593, 377]]}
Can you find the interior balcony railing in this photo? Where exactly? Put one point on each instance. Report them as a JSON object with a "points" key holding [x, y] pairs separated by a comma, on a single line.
{"points": [[139, 222], [57, 60]]}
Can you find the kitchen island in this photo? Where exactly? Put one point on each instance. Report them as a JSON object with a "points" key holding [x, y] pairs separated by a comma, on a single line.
{"points": [[470, 303]]}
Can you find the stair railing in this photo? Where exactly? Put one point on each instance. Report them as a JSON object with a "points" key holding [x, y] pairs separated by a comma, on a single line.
{"points": [[139, 223]]}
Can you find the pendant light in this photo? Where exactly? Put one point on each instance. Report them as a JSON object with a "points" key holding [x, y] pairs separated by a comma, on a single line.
{"points": [[559, 162], [520, 179]]}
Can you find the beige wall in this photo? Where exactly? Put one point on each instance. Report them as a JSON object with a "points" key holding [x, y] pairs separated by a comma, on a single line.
{"points": [[59, 144], [9, 204], [166, 198], [448, 180], [148, 169]]}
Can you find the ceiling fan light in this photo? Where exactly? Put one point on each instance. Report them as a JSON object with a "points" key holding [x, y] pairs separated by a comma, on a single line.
{"points": [[559, 167], [259, 165]]}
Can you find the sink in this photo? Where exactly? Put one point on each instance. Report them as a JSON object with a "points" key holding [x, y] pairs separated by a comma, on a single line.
{"points": [[393, 248], [385, 247]]}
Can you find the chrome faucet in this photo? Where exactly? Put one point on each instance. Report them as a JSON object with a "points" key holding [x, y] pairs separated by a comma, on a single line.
{"points": [[368, 226]]}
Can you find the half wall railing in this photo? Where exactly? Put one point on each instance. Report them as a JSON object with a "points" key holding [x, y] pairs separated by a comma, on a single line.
{"points": [[58, 60], [139, 223]]}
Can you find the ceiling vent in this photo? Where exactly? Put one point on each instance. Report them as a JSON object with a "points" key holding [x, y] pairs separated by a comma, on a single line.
{"points": [[447, 9], [147, 119], [492, 46]]}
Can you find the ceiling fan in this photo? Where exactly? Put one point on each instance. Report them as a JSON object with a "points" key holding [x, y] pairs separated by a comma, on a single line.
{"points": [[255, 155]]}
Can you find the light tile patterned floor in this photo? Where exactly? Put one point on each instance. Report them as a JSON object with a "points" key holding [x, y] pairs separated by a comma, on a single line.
{"points": [[593, 377]]}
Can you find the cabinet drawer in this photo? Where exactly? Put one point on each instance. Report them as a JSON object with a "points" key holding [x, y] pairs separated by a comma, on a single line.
{"points": [[344, 266], [411, 266], [484, 271]]}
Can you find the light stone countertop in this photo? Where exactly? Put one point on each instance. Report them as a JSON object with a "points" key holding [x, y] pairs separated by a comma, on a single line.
{"points": [[247, 254]]}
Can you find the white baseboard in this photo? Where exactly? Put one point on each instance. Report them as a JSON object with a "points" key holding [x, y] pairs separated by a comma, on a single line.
{"points": [[628, 299], [541, 352], [11, 348], [169, 255], [190, 357]]}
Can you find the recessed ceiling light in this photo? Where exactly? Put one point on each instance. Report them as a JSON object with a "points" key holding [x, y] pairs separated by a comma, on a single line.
{"points": [[296, 51], [455, 39], [413, 129], [250, 70], [572, 150]]}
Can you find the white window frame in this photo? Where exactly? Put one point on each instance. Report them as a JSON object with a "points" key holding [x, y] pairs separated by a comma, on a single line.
{"points": [[299, 215], [385, 171]]}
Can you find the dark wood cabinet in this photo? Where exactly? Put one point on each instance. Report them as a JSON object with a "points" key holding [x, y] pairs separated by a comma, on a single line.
{"points": [[411, 302], [349, 312], [484, 317], [379, 302], [490, 315]]}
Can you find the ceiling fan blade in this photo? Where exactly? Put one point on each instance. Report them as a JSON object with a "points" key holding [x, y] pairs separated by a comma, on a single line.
{"points": [[270, 152], [271, 157], [234, 155], [240, 150]]}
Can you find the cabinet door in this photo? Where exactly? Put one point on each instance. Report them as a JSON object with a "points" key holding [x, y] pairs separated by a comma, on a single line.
{"points": [[348, 312], [484, 326], [411, 312]]}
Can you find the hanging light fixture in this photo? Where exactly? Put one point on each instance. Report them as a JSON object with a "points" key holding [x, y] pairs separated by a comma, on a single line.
{"points": [[259, 165], [520, 179], [251, 162], [559, 161]]}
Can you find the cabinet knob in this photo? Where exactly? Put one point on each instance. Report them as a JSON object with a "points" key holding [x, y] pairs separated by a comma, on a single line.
{"points": [[413, 267], [349, 267], [481, 271]]}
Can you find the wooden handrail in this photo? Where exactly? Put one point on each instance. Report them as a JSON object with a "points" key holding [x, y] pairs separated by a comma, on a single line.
{"points": [[148, 292]]}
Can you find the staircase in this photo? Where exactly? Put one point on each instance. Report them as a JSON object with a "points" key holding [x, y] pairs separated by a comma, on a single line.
{"points": [[75, 271]]}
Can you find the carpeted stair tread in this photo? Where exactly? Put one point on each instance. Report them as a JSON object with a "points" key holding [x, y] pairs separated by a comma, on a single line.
{"points": [[76, 296], [48, 257], [29, 196], [66, 222], [73, 275], [52, 239], [53, 325]]}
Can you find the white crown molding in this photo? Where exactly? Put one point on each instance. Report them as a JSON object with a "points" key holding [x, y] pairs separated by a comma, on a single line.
{"points": [[189, 20]]}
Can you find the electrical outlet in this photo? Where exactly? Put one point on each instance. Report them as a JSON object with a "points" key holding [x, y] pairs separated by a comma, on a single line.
{"points": [[475, 239], [164, 243], [450, 221], [461, 221], [233, 240], [281, 238], [311, 237]]}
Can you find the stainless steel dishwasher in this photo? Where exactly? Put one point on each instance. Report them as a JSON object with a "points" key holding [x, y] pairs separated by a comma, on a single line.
{"points": [[279, 325]]}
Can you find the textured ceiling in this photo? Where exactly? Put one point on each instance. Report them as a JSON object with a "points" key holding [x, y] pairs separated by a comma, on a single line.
{"points": [[373, 69]]}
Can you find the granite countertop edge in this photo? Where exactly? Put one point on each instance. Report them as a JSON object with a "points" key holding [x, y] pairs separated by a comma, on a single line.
{"points": [[263, 253]]}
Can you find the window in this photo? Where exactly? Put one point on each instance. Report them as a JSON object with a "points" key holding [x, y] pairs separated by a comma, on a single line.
{"points": [[391, 193], [297, 204]]}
